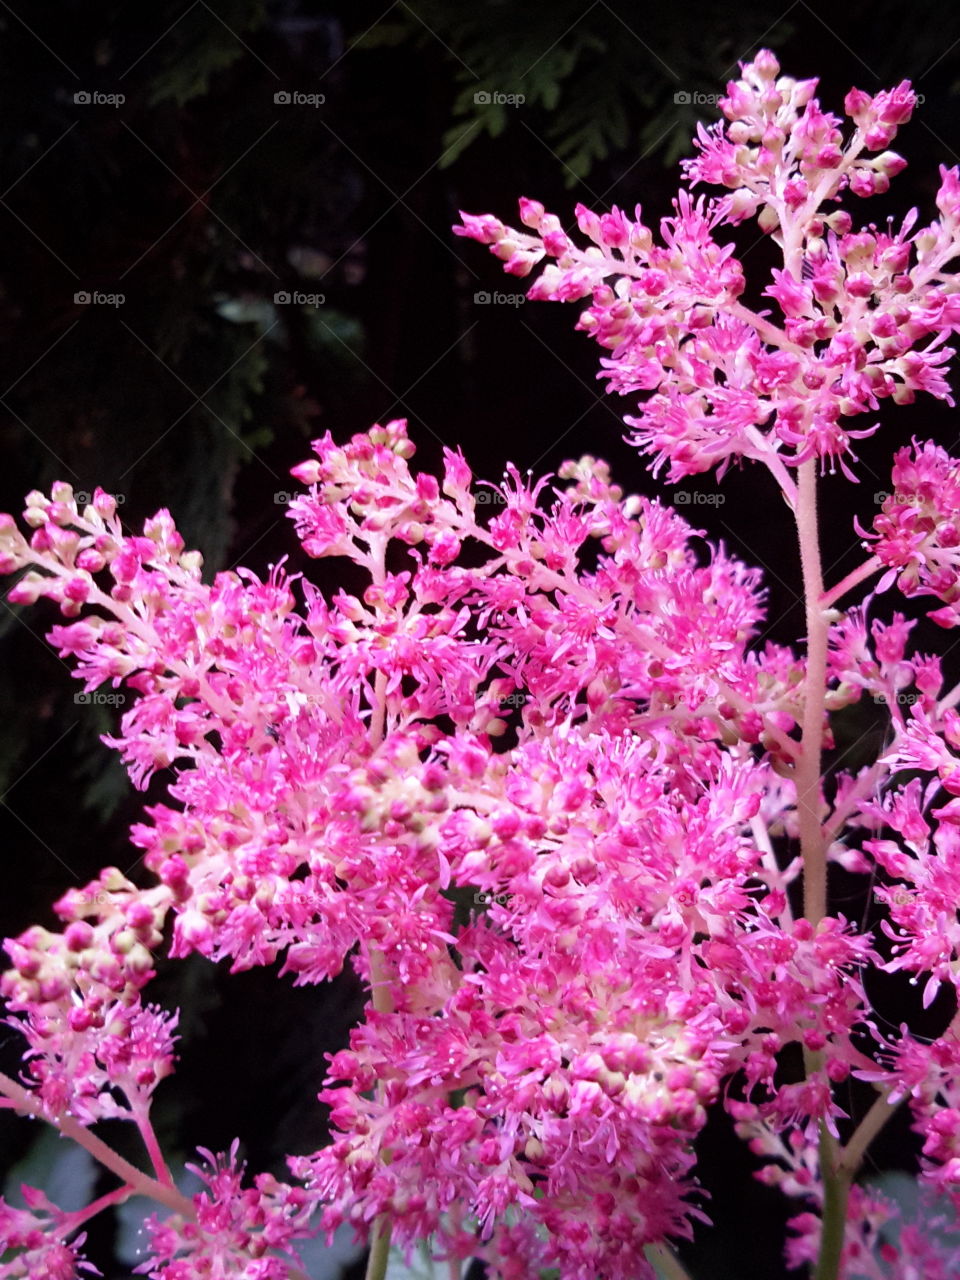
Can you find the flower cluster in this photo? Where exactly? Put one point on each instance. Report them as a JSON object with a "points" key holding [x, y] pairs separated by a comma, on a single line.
{"points": [[540, 780], [33, 1241], [917, 533], [863, 313], [233, 1227], [598, 998]]}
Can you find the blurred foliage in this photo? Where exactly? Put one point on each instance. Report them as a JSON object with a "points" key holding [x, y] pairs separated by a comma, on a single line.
{"points": [[594, 79]]}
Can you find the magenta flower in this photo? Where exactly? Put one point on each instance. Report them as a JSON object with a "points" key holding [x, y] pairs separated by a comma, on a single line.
{"points": [[541, 779]]}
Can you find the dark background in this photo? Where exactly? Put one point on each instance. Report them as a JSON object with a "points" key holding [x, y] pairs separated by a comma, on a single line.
{"points": [[198, 198]]}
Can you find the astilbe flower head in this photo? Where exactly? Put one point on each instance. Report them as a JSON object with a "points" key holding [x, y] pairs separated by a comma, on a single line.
{"points": [[87, 1030], [625, 955], [35, 1244], [234, 1228], [863, 313], [534, 779], [917, 532]]}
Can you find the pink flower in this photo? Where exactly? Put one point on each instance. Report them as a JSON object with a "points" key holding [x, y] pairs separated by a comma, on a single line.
{"points": [[234, 1228]]}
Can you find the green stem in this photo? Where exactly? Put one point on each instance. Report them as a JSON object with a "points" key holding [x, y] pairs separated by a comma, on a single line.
{"points": [[852, 1155], [381, 998], [379, 1249], [666, 1262], [836, 1190]]}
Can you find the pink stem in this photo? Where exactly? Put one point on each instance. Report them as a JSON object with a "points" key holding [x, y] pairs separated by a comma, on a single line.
{"points": [[140, 1183], [153, 1147], [812, 845], [71, 1221], [853, 579]]}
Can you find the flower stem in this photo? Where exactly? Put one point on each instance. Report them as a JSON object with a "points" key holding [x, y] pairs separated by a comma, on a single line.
{"points": [[140, 1182], [379, 1249], [836, 1190], [666, 1262], [381, 998], [153, 1148], [73, 1221], [852, 1155], [853, 579], [812, 847]]}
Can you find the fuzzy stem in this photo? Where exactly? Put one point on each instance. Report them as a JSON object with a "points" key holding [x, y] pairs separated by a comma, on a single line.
{"points": [[812, 847], [853, 579], [766, 329], [768, 455], [381, 996], [73, 1221], [140, 1182], [153, 1148]]}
